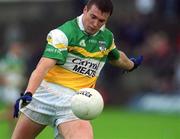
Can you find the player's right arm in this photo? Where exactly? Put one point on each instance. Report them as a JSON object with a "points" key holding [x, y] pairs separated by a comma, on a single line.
{"points": [[44, 65], [55, 53]]}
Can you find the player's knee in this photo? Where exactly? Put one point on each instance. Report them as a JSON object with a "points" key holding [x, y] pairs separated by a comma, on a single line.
{"points": [[85, 131], [77, 130]]}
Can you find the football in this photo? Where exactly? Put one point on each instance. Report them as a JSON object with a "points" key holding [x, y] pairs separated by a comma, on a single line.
{"points": [[87, 104]]}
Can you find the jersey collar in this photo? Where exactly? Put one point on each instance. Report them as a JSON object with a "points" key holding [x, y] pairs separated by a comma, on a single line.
{"points": [[81, 26]]}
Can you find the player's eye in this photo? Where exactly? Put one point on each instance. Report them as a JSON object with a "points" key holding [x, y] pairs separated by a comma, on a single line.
{"points": [[93, 16], [101, 21]]}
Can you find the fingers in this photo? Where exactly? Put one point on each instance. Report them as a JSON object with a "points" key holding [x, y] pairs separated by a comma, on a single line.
{"points": [[140, 59], [22, 101], [17, 106], [16, 110]]}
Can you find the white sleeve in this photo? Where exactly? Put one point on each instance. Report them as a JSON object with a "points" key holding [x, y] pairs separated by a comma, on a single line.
{"points": [[57, 38]]}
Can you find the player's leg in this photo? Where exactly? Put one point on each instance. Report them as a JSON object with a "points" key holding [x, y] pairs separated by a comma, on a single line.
{"points": [[26, 128], [76, 129]]}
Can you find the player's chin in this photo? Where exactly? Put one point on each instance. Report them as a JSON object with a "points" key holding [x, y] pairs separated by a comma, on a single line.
{"points": [[91, 32]]}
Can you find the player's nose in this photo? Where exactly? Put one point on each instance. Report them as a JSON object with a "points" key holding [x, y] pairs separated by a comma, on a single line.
{"points": [[95, 24]]}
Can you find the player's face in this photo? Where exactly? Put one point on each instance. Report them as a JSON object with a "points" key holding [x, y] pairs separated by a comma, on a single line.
{"points": [[94, 19]]}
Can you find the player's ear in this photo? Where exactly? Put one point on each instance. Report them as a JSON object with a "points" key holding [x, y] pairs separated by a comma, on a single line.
{"points": [[85, 10]]}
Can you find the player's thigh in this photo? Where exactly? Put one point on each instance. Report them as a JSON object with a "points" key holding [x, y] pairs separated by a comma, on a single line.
{"points": [[76, 129], [26, 128]]}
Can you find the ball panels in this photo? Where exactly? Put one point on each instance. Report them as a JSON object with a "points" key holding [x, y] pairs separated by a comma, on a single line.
{"points": [[87, 104]]}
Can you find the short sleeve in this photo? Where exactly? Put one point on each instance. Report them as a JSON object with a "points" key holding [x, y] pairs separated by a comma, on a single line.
{"points": [[114, 53], [56, 47]]}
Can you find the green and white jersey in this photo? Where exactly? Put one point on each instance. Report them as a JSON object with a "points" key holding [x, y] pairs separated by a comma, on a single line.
{"points": [[80, 57]]}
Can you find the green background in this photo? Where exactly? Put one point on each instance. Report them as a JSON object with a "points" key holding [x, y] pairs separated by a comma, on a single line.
{"points": [[119, 123]]}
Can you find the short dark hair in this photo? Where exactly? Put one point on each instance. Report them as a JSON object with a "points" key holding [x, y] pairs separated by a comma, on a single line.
{"points": [[103, 5]]}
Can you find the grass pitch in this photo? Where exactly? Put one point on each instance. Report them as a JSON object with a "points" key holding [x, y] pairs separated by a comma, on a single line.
{"points": [[117, 123]]}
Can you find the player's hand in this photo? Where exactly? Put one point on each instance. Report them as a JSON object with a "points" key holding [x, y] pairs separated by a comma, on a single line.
{"points": [[137, 62], [22, 101]]}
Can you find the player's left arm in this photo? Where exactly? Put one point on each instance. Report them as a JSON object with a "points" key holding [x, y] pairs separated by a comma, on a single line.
{"points": [[121, 60]]}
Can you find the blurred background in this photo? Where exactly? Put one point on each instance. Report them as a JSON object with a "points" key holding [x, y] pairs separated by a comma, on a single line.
{"points": [[141, 27]]}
